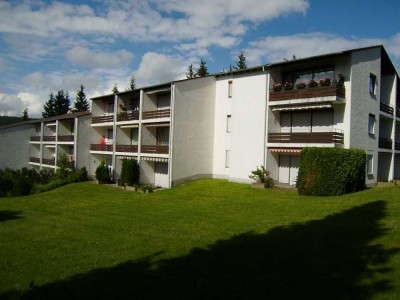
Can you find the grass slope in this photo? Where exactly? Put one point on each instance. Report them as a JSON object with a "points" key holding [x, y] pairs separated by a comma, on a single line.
{"points": [[206, 239]]}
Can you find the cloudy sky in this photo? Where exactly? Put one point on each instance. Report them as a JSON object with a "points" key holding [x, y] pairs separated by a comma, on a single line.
{"points": [[52, 45]]}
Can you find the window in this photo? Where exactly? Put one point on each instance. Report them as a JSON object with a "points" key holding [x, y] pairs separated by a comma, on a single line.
{"points": [[371, 124], [230, 89], [227, 158], [370, 164], [372, 84], [228, 123], [307, 75]]}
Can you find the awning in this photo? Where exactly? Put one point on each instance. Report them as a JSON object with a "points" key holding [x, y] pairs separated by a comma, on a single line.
{"points": [[127, 157], [300, 107], [285, 150], [156, 159], [130, 126], [163, 124]]}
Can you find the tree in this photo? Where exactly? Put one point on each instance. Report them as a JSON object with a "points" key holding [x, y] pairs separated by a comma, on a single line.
{"points": [[132, 84], [81, 103], [190, 72], [48, 107], [115, 89], [61, 103], [202, 69], [25, 116], [241, 63]]}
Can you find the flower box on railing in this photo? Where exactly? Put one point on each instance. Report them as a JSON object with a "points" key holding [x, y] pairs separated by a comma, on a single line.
{"points": [[307, 92]]}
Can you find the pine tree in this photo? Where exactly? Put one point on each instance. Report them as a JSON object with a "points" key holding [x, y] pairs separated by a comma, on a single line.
{"points": [[115, 89], [25, 116], [81, 103], [48, 107], [241, 63], [202, 69], [132, 84], [190, 72], [61, 103]]}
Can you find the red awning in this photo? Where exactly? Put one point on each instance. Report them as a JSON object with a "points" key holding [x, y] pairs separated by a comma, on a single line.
{"points": [[285, 150]]}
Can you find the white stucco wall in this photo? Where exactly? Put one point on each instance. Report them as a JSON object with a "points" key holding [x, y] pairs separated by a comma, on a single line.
{"points": [[192, 129]]}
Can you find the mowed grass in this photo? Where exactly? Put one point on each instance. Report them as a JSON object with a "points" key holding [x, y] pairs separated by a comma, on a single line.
{"points": [[207, 239]]}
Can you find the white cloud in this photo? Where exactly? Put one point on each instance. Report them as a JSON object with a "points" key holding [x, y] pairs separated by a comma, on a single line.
{"points": [[10, 105], [96, 59]]}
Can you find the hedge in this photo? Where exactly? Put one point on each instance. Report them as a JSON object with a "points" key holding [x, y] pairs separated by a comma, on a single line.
{"points": [[331, 171]]}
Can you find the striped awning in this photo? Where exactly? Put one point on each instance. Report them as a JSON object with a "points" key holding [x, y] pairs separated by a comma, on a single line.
{"points": [[300, 107], [130, 126], [127, 157], [162, 124], [156, 159], [285, 150]]}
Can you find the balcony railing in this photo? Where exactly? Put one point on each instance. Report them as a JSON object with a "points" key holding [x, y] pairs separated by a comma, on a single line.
{"points": [[306, 137], [386, 108], [397, 146], [34, 160], [51, 161], [65, 138], [157, 149], [101, 147], [49, 138], [155, 114], [35, 138], [314, 92], [127, 148], [102, 119], [128, 116], [385, 143]]}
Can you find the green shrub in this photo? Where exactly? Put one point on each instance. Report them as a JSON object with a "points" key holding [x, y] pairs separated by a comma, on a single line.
{"points": [[56, 183], [65, 167], [147, 188], [331, 171], [262, 175], [130, 173], [103, 173]]}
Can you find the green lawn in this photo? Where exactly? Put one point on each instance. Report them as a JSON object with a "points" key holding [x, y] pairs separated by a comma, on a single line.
{"points": [[207, 239]]}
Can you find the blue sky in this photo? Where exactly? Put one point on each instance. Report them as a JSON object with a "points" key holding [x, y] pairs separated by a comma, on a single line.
{"points": [[52, 45]]}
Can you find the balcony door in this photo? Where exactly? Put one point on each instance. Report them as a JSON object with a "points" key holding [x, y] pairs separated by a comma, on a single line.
{"points": [[288, 169]]}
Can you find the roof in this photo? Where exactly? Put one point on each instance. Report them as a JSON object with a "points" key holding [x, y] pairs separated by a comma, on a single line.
{"points": [[68, 116], [19, 124]]}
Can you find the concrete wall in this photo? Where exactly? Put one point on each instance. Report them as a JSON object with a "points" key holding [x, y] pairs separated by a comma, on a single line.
{"points": [[246, 139], [192, 129], [14, 146], [362, 103], [83, 134]]}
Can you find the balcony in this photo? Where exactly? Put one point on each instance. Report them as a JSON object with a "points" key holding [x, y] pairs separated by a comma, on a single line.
{"points": [[49, 138], [156, 114], [385, 143], [50, 162], [314, 92], [102, 119], [127, 148], [128, 116], [101, 147], [65, 138], [155, 149], [386, 108], [35, 138], [34, 160], [306, 137]]}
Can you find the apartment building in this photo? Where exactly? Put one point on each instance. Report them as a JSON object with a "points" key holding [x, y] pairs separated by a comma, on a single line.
{"points": [[225, 125]]}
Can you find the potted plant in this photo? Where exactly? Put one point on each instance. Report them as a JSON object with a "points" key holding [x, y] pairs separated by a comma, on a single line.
{"points": [[288, 86], [261, 175], [312, 83], [300, 85], [277, 87], [325, 82]]}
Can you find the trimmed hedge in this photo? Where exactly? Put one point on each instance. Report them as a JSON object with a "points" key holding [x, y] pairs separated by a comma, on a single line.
{"points": [[130, 172], [331, 171]]}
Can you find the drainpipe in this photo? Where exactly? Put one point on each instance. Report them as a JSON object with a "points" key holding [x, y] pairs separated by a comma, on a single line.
{"points": [[171, 135]]}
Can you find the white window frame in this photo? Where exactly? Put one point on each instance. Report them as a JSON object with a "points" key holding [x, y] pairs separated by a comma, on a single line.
{"points": [[371, 124], [370, 164], [227, 158], [230, 85], [228, 123], [372, 84]]}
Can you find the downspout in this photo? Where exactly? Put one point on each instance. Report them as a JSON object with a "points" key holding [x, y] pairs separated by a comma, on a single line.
{"points": [[75, 141], [171, 134]]}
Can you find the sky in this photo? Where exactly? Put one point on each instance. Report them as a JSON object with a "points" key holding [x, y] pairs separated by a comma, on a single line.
{"points": [[46, 46]]}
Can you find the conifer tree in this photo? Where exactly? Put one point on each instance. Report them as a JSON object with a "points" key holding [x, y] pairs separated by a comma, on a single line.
{"points": [[61, 103], [81, 103], [202, 69], [48, 107], [190, 72], [25, 116], [132, 84], [241, 63], [115, 89]]}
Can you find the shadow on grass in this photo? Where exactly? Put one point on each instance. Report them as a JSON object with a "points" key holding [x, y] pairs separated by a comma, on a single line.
{"points": [[7, 215], [331, 258]]}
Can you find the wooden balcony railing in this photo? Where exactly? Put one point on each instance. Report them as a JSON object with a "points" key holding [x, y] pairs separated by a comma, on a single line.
{"points": [[155, 114], [50, 162], [306, 137], [397, 146], [127, 148], [128, 116], [155, 149], [101, 147], [35, 138], [386, 108], [65, 138], [385, 143], [49, 138], [34, 160], [102, 119], [314, 92]]}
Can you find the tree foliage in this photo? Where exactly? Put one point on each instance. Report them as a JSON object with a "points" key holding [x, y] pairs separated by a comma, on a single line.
{"points": [[130, 172], [115, 89], [56, 105], [132, 84], [81, 103], [48, 107], [202, 70], [190, 73], [262, 175], [25, 116], [241, 63]]}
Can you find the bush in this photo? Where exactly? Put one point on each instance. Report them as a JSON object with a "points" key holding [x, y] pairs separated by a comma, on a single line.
{"points": [[331, 171], [65, 167], [103, 173], [130, 173], [262, 175], [147, 188]]}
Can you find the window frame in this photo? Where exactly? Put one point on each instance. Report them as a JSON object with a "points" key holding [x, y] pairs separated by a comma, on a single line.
{"points": [[230, 88], [370, 164], [227, 158], [371, 124], [372, 84], [228, 123]]}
